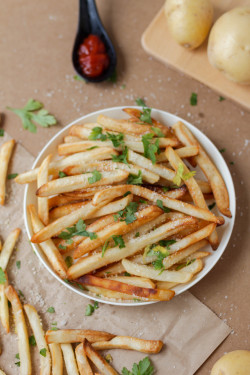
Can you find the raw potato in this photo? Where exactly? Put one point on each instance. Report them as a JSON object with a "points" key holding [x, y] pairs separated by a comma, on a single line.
{"points": [[229, 45], [189, 21], [233, 363]]}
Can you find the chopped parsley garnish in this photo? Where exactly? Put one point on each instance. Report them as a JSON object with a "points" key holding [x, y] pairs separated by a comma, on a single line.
{"points": [[91, 308], [113, 77], [96, 134], [69, 261], [160, 251], [146, 115], [1, 132], [116, 139], [157, 132], [211, 206], [17, 356], [108, 358], [221, 98], [30, 119], [150, 149], [180, 175], [105, 246], [78, 78], [165, 189], [18, 264], [54, 326], [51, 310], [180, 266], [118, 240], [32, 341], [134, 179], [61, 174], [20, 293], [128, 214], [96, 176], [43, 352], [127, 193], [143, 368], [231, 162], [160, 205], [193, 98], [137, 234], [62, 247], [12, 176], [222, 150], [140, 102], [91, 148], [127, 274], [79, 229], [122, 158]]}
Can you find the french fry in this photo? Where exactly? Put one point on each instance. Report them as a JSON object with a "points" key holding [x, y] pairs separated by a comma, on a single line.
{"points": [[48, 247], [117, 228], [60, 200], [70, 336], [95, 261], [69, 359], [8, 248], [36, 325], [101, 364], [57, 359], [5, 154], [123, 126], [4, 308], [207, 166], [173, 204], [82, 360], [196, 255], [142, 282], [80, 146], [130, 343], [110, 294], [86, 193], [58, 165], [71, 139], [21, 330], [2, 373], [66, 184], [150, 293], [42, 178], [151, 273], [66, 209], [183, 152]]}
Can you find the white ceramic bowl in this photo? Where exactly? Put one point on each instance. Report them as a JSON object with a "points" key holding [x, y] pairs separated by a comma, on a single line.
{"points": [[168, 119]]}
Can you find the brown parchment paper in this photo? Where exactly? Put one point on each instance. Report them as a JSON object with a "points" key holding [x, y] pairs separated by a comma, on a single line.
{"points": [[189, 330]]}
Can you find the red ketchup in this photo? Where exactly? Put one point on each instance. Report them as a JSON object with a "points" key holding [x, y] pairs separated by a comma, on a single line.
{"points": [[93, 57]]}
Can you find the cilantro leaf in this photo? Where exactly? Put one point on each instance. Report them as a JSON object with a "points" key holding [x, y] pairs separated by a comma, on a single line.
{"points": [[32, 341], [96, 134], [91, 308], [69, 261], [119, 241], [105, 246], [140, 102], [78, 78], [222, 150], [160, 205], [61, 174], [122, 158], [127, 193], [96, 176], [12, 176], [2, 276], [211, 206], [128, 214], [116, 139], [51, 310], [180, 175], [157, 132], [79, 229], [193, 98], [146, 115], [150, 149], [91, 148], [43, 352], [61, 247], [134, 179], [18, 264], [30, 119], [1, 132], [221, 98], [143, 368]]}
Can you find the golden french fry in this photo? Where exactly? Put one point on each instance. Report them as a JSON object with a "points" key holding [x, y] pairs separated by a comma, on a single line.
{"points": [[8, 247], [117, 228], [69, 336], [60, 200], [149, 272], [150, 293], [209, 169], [173, 204], [95, 261], [57, 359], [42, 178], [86, 193], [48, 247], [101, 364], [131, 343], [80, 146], [71, 183], [2, 373], [183, 152], [196, 255], [110, 294], [142, 282], [4, 308], [82, 360], [21, 330], [71, 139], [58, 165], [36, 325], [69, 359], [66, 209], [5, 155], [123, 126]]}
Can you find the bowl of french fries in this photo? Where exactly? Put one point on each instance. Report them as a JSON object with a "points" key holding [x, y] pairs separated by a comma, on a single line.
{"points": [[129, 205]]}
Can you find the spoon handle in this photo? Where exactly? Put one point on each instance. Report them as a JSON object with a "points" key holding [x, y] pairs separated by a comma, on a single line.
{"points": [[89, 20]]}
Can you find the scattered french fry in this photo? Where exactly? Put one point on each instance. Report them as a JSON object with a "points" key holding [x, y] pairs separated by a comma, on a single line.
{"points": [[69, 359], [57, 359], [101, 364], [82, 360], [8, 247], [131, 343], [5, 154], [69, 336], [4, 308], [42, 178]]}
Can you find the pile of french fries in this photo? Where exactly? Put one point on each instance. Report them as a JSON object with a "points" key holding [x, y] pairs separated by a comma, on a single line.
{"points": [[112, 221]]}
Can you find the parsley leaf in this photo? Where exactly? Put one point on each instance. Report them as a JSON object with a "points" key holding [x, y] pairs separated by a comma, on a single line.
{"points": [[146, 115], [43, 352], [134, 179], [96, 134], [231, 162], [91, 148], [116, 139], [51, 310], [78, 78], [12, 176], [222, 150], [91, 308], [128, 214], [180, 266], [193, 98], [1, 132], [160, 205], [30, 119], [79, 229], [157, 132], [105, 246], [96, 176], [108, 358], [140, 102], [127, 193], [150, 149], [61, 174], [119, 241], [137, 234], [32, 341], [180, 175], [17, 356], [211, 206], [2, 276], [18, 264], [54, 326], [122, 158], [143, 368], [221, 98], [69, 261], [61, 247]]}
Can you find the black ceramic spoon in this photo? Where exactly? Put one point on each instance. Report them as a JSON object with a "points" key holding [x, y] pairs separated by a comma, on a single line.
{"points": [[90, 23]]}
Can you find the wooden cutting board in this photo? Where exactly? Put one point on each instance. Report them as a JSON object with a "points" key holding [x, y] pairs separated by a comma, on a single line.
{"points": [[157, 41]]}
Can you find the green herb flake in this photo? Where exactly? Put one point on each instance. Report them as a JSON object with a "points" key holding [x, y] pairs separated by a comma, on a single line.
{"points": [[108, 358], [123, 86], [61, 174], [51, 310], [128, 214], [30, 117], [165, 189], [1, 132], [118, 240], [17, 356], [32, 341], [127, 274], [222, 150], [20, 293], [78, 78], [144, 367], [69, 261], [62, 247], [211, 206], [18, 364], [127, 193], [157, 132], [91, 308], [116, 139], [54, 326], [96, 134], [231, 162], [193, 99], [159, 203], [140, 102], [146, 115], [221, 98], [18, 264], [91, 148], [137, 234], [150, 149], [96, 176], [180, 175], [43, 352], [122, 158], [105, 246], [12, 176], [113, 77], [134, 179], [79, 229]]}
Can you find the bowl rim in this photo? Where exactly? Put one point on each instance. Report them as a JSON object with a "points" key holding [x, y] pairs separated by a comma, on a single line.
{"points": [[187, 286]]}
